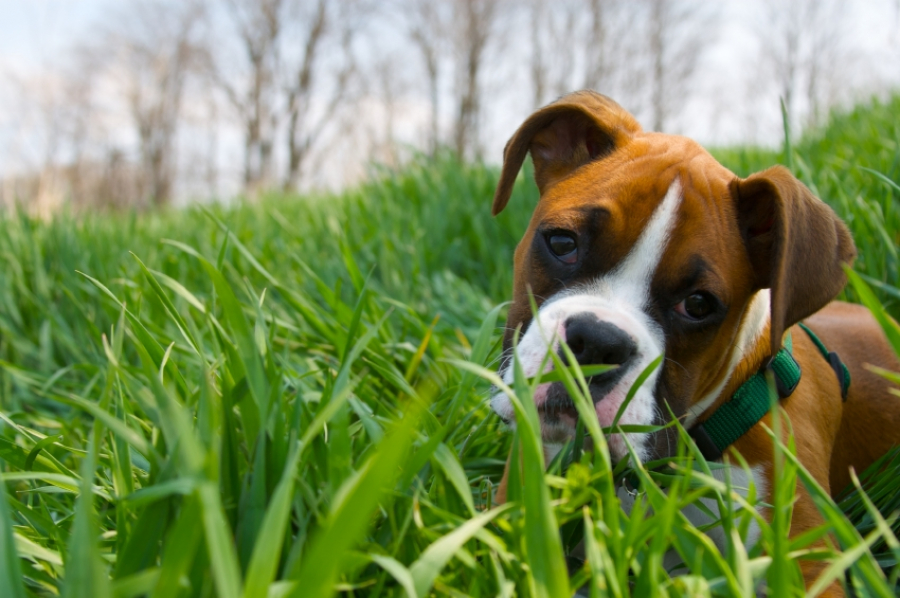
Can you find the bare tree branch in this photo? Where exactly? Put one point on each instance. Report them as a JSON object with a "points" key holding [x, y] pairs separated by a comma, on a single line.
{"points": [[330, 26], [254, 92], [803, 43], [475, 23], [427, 27], [677, 35], [154, 48]]}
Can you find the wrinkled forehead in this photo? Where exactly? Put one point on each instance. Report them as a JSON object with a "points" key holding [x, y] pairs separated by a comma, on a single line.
{"points": [[623, 191]]}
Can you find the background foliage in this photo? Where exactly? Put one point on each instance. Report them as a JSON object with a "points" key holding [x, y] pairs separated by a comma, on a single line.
{"points": [[288, 398]]}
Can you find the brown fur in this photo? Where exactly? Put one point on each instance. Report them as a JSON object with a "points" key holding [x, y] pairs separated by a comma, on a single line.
{"points": [[597, 170]]}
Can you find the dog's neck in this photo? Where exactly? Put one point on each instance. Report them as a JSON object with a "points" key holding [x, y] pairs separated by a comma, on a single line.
{"points": [[749, 351]]}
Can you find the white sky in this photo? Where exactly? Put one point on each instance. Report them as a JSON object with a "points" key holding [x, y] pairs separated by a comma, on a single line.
{"points": [[37, 33], [34, 31]]}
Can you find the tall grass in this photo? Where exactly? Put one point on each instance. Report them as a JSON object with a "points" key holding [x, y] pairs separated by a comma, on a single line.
{"points": [[853, 163], [288, 399]]}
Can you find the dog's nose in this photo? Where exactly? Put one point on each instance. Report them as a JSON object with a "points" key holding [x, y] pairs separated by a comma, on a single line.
{"points": [[593, 342]]}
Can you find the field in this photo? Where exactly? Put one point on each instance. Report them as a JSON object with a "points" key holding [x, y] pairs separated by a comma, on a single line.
{"points": [[288, 399]]}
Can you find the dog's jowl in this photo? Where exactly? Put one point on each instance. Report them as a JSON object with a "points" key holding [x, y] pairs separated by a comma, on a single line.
{"points": [[644, 245]]}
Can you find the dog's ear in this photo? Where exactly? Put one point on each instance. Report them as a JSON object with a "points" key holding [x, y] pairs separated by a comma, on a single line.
{"points": [[576, 129], [796, 245]]}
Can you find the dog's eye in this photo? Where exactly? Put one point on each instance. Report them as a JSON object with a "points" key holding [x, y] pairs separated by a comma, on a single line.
{"points": [[563, 246], [696, 306]]}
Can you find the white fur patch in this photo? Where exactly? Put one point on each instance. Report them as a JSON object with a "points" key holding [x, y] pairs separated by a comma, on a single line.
{"points": [[622, 298], [752, 326]]}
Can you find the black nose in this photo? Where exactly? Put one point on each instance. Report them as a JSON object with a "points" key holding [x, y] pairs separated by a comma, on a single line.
{"points": [[593, 342]]}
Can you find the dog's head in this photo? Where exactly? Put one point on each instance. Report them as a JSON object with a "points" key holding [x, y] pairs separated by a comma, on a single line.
{"points": [[643, 245]]}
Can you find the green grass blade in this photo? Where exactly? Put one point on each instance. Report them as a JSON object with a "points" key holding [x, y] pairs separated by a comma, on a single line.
{"points": [[889, 325], [349, 517], [787, 148], [181, 546], [427, 567], [224, 564], [137, 585], [542, 538], [267, 550], [243, 332], [10, 571], [400, 573], [557, 375], [86, 573], [169, 306], [456, 474]]}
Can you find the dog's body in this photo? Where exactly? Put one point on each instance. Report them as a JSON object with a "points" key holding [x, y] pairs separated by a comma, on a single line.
{"points": [[643, 245]]}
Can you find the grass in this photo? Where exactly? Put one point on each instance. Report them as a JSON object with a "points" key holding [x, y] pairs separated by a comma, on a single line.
{"points": [[853, 163], [288, 399]]}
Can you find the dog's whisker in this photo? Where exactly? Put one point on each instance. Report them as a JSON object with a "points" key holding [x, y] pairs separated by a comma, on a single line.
{"points": [[670, 360]]}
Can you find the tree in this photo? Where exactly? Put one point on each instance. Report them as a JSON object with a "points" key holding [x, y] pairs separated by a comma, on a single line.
{"points": [[427, 24], [453, 37], [323, 27], [286, 79], [585, 44], [475, 22], [252, 88], [153, 47], [677, 34], [803, 44], [553, 29]]}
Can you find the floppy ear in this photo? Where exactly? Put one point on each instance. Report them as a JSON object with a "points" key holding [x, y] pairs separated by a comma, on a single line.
{"points": [[796, 244], [576, 129]]}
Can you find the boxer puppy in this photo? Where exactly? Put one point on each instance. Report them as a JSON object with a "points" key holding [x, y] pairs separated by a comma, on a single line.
{"points": [[643, 245]]}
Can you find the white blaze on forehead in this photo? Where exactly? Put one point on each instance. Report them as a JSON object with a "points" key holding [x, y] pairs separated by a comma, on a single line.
{"points": [[634, 274], [621, 297]]}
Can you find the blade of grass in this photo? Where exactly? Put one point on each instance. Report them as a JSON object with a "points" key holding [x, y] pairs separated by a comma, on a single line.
{"points": [[890, 326], [10, 571], [86, 573], [427, 567], [267, 550], [350, 514]]}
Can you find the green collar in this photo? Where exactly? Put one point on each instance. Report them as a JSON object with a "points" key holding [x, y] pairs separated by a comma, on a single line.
{"points": [[751, 401], [748, 405]]}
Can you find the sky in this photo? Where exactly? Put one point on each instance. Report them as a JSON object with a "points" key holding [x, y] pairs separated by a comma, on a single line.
{"points": [[33, 34], [36, 33]]}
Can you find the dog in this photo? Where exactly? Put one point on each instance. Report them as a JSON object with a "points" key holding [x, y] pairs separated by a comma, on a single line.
{"points": [[643, 245]]}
